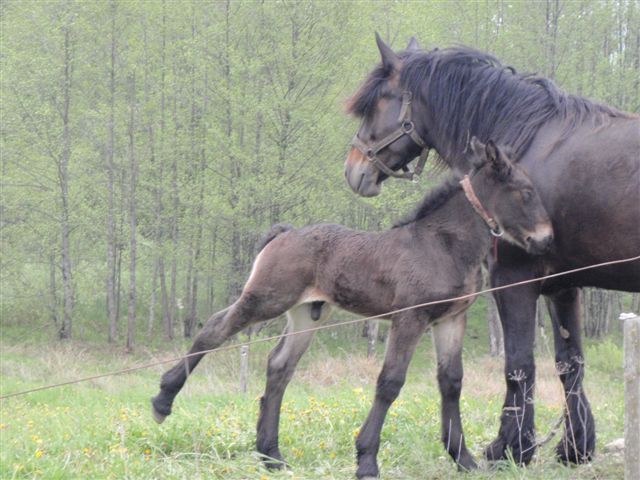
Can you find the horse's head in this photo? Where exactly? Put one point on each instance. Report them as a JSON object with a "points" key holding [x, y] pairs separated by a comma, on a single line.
{"points": [[506, 198], [389, 137]]}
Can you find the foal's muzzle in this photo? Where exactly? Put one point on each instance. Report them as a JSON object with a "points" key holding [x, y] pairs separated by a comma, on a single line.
{"points": [[540, 241]]}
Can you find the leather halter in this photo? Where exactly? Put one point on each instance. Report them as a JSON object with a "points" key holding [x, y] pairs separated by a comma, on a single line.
{"points": [[406, 127], [496, 231]]}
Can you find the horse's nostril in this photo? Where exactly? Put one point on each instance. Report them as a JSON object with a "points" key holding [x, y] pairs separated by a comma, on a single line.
{"points": [[528, 239]]}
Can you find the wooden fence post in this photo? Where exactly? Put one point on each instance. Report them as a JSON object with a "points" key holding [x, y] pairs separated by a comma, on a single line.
{"points": [[631, 395]]}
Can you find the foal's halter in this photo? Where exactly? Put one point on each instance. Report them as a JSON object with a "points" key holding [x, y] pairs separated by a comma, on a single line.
{"points": [[496, 231], [406, 127]]}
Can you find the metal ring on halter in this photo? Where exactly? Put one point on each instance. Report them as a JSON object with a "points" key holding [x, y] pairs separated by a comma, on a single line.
{"points": [[499, 233], [408, 127]]}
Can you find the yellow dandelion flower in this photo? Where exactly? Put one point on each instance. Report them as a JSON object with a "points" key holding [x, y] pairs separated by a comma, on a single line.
{"points": [[3, 426], [39, 453]]}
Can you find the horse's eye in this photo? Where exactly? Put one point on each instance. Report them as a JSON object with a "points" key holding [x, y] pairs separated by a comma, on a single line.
{"points": [[527, 195]]}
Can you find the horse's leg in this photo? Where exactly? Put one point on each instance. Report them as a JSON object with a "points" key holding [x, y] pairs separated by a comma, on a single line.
{"points": [[447, 337], [578, 443], [517, 307], [250, 308], [283, 360], [404, 334]]}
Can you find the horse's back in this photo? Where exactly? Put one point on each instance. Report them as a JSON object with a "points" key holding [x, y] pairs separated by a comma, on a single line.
{"points": [[590, 185]]}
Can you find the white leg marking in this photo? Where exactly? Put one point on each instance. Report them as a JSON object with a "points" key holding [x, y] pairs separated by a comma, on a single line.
{"points": [[299, 318], [448, 334]]}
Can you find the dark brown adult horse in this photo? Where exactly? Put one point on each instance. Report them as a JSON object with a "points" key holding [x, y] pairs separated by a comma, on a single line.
{"points": [[583, 158], [435, 254]]}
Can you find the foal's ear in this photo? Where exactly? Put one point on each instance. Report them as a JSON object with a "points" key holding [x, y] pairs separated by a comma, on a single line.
{"points": [[390, 60], [477, 147], [499, 161], [413, 46]]}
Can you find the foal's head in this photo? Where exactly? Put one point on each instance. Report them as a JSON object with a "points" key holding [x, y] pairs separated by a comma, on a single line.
{"points": [[508, 197]]}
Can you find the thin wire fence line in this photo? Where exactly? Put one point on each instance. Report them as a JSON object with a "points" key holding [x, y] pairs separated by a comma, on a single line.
{"points": [[320, 327]]}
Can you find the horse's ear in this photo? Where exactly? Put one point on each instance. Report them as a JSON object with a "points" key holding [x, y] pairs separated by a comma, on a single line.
{"points": [[499, 161], [413, 45], [390, 60]]}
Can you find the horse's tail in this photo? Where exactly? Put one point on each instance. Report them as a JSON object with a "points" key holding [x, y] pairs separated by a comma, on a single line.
{"points": [[276, 230]]}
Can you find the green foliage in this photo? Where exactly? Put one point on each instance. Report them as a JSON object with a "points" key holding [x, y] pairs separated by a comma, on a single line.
{"points": [[238, 125]]}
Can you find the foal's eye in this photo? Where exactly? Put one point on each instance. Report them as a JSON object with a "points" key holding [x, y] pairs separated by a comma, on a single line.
{"points": [[527, 195]]}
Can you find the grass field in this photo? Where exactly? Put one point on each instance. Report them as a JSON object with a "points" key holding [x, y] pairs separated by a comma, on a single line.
{"points": [[103, 428]]}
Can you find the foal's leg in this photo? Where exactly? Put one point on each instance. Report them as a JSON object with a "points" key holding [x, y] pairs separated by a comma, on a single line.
{"points": [[517, 307], [404, 335], [250, 308], [447, 337], [578, 443], [283, 360]]}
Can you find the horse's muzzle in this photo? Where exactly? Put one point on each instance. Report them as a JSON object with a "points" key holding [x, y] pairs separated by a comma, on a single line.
{"points": [[361, 176], [540, 241]]}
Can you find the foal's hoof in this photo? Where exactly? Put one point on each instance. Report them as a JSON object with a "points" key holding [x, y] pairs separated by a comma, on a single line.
{"points": [[467, 464], [274, 461], [157, 416]]}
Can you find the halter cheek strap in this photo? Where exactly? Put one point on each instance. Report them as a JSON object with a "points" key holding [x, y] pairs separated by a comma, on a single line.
{"points": [[496, 231], [407, 127]]}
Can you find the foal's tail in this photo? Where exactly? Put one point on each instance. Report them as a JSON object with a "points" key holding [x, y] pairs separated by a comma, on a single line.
{"points": [[276, 230]]}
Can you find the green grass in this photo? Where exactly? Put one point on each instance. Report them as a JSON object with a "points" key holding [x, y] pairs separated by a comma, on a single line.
{"points": [[103, 428]]}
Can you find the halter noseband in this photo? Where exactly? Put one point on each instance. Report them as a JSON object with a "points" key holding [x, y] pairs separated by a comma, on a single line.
{"points": [[407, 127], [496, 231]]}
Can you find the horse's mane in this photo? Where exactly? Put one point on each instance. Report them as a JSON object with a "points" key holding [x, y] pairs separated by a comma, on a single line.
{"points": [[432, 201], [472, 93]]}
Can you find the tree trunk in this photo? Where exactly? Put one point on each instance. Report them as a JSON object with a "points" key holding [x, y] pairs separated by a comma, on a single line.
{"points": [[111, 223], [166, 316], [131, 318], [496, 341], [211, 293], [372, 337], [63, 174], [53, 291], [599, 307], [174, 218], [153, 300], [244, 368]]}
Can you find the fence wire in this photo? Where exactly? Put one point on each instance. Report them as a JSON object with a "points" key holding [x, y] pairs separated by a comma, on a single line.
{"points": [[314, 329]]}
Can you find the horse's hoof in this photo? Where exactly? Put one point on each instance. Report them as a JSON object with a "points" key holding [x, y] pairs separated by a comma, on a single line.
{"points": [[495, 451], [157, 416], [568, 455]]}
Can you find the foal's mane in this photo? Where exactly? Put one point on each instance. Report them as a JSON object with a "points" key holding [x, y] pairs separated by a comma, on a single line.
{"points": [[432, 201], [472, 93]]}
